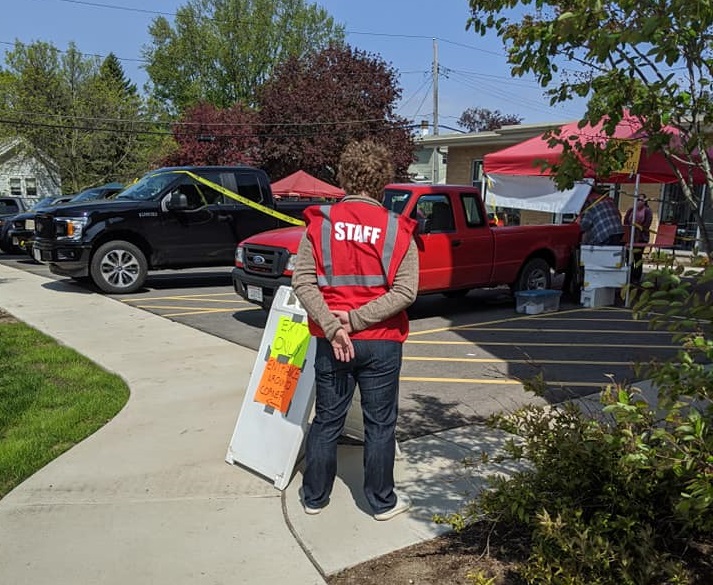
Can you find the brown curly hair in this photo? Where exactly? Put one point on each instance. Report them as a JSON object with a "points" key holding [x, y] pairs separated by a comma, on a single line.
{"points": [[365, 168]]}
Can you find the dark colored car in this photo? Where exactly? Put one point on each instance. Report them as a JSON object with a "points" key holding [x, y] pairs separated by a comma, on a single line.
{"points": [[94, 193], [21, 228], [10, 206]]}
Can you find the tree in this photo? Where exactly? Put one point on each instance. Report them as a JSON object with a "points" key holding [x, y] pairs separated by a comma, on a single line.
{"points": [[206, 135], [314, 105], [482, 119], [222, 51], [650, 59], [112, 70], [77, 113]]}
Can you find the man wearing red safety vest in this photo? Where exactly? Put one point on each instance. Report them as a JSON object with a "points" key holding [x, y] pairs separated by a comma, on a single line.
{"points": [[356, 273]]}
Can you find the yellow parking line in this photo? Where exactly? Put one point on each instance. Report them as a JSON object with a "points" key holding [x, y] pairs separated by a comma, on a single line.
{"points": [[532, 344], [495, 322], [541, 330], [210, 311], [461, 380], [502, 361], [553, 317], [206, 309], [176, 297], [497, 382]]}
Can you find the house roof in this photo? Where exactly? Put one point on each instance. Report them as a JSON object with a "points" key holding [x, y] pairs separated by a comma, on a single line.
{"points": [[10, 146], [502, 136]]}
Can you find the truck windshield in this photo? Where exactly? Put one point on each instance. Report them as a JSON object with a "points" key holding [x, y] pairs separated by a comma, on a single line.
{"points": [[148, 187], [396, 199]]}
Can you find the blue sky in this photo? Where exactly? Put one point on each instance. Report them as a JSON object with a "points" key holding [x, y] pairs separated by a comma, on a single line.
{"points": [[474, 71]]}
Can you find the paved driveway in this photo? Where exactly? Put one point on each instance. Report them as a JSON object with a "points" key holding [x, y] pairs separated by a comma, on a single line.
{"points": [[464, 360]]}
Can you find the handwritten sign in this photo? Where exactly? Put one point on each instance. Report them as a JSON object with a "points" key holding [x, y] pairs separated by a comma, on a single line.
{"points": [[283, 367], [277, 385], [291, 339]]}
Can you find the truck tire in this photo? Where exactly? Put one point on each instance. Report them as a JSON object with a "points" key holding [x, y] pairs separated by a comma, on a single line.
{"points": [[118, 267], [534, 275]]}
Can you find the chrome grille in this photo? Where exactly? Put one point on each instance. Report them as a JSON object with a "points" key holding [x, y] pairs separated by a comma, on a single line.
{"points": [[265, 261]]}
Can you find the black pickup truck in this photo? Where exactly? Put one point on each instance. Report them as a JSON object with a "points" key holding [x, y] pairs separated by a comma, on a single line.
{"points": [[170, 218]]}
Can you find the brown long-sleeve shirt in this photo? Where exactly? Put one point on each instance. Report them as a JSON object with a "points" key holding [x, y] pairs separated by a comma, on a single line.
{"points": [[399, 297]]}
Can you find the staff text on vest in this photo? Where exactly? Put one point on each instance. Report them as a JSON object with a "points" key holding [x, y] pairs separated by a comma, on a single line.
{"points": [[356, 232]]}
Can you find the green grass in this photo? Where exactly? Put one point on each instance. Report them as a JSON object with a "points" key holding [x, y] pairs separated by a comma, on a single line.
{"points": [[51, 398]]}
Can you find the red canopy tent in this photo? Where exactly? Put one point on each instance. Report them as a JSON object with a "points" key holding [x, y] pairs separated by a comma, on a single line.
{"points": [[516, 178], [301, 184], [526, 158]]}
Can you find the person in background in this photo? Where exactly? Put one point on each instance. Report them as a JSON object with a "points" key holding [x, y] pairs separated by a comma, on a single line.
{"points": [[641, 216], [600, 220], [356, 273]]}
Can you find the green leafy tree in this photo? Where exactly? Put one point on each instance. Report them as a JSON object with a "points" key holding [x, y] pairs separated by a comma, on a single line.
{"points": [[650, 59], [77, 113], [482, 119], [33, 85], [221, 51], [313, 106]]}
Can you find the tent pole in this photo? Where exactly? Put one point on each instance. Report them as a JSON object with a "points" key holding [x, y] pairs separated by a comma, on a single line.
{"points": [[631, 240]]}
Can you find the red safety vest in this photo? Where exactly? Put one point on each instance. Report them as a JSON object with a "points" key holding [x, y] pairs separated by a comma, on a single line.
{"points": [[358, 248]]}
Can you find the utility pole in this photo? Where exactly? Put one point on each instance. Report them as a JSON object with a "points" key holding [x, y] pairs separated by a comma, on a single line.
{"points": [[435, 87], [435, 111]]}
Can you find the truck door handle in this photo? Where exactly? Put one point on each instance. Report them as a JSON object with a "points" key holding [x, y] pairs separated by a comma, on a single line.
{"points": [[224, 217], [456, 243]]}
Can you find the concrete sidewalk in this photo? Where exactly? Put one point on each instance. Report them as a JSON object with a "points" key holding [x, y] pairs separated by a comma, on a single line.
{"points": [[149, 498]]}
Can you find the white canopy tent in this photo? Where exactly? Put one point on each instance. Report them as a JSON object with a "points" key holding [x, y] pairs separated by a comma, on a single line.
{"points": [[537, 193]]}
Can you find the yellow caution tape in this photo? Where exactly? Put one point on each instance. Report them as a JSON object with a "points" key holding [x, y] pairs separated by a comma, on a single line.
{"points": [[244, 200]]}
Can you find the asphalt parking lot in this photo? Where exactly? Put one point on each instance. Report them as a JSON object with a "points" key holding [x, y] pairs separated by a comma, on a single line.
{"points": [[464, 360]]}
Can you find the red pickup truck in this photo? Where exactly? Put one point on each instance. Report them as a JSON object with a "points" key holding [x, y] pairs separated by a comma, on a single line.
{"points": [[459, 249]]}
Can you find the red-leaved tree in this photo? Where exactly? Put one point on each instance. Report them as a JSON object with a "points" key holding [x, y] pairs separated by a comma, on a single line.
{"points": [[206, 135], [313, 106]]}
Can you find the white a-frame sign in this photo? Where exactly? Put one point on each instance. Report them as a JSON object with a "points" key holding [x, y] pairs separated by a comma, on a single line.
{"points": [[278, 402]]}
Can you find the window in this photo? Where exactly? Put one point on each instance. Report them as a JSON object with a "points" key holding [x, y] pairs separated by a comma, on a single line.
{"points": [[434, 213], [16, 186], [30, 187], [396, 200], [248, 186], [8, 206], [477, 178], [471, 210]]}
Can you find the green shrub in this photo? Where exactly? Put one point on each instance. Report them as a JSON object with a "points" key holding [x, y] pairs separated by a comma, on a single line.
{"points": [[615, 497]]}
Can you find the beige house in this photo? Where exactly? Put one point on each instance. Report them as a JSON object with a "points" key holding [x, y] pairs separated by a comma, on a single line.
{"points": [[24, 175]]}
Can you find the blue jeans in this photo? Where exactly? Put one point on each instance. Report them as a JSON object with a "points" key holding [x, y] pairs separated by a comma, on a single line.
{"points": [[375, 368]]}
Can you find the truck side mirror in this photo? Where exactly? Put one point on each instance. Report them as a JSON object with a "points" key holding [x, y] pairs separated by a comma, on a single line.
{"points": [[177, 201]]}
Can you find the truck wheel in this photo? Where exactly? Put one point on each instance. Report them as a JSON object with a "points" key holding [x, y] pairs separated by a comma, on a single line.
{"points": [[118, 267], [534, 275]]}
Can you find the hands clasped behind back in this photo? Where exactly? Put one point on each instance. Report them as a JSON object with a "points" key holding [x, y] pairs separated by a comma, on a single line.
{"points": [[341, 342]]}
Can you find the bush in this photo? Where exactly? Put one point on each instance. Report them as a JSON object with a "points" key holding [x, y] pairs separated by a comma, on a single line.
{"points": [[616, 498]]}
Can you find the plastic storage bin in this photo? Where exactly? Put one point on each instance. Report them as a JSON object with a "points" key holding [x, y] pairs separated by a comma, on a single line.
{"points": [[604, 277], [601, 256], [533, 302], [598, 297]]}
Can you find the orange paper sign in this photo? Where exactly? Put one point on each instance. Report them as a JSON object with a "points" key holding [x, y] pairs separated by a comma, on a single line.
{"points": [[277, 384]]}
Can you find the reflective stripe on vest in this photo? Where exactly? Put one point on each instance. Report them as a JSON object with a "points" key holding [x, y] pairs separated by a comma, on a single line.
{"points": [[329, 279]]}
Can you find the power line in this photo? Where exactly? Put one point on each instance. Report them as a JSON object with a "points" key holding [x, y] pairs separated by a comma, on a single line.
{"points": [[117, 7], [92, 119], [200, 131]]}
